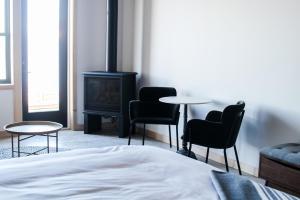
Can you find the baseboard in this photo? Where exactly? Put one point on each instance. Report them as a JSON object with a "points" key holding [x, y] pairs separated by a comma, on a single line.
{"points": [[107, 125], [202, 152], [78, 127], [4, 135]]}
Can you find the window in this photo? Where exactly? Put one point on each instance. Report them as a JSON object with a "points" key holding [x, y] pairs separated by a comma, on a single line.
{"points": [[5, 69]]}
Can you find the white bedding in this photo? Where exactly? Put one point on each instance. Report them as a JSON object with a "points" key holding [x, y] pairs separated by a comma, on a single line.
{"points": [[121, 172]]}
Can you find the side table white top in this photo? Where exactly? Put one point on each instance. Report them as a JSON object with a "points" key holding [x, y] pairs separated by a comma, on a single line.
{"points": [[184, 100], [33, 127]]}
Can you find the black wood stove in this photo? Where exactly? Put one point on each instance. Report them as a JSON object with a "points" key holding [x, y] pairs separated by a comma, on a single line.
{"points": [[107, 93]]}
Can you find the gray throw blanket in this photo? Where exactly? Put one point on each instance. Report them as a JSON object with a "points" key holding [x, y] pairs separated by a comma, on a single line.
{"points": [[230, 186]]}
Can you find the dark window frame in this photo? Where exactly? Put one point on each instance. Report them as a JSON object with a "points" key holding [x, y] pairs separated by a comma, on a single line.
{"points": [[6, 35]]}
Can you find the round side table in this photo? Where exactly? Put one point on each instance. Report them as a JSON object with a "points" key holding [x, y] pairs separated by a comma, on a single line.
{"points": [[185, 101], [31, 129]]}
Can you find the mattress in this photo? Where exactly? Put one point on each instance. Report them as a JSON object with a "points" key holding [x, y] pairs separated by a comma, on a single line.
{"points": [[120, 172]]}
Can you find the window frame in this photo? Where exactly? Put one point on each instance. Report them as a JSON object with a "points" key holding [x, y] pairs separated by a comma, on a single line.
{"points": [[6, 35]]}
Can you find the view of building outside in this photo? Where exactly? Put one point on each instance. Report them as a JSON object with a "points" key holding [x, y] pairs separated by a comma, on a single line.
{"points": [[43, 55]]}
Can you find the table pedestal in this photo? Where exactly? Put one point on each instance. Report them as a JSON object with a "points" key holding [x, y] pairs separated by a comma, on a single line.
{"points": [[184, 151], [184, 101]]}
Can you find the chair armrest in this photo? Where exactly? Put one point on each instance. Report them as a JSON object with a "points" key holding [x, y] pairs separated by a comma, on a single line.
{"points": [[139, 108], [205, 133], [146, 109], [214, 116]]}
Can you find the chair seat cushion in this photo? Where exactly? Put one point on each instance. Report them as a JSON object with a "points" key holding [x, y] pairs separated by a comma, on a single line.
{"points": [[154, 120], [288, 154]]}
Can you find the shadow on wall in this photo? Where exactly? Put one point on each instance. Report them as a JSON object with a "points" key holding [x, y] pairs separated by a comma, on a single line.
{"points": [[272, 127], [262, 126]]}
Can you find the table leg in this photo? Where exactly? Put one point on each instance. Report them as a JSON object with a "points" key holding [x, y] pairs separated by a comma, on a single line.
{"points": [[57, 141], [185, 117], [12, 146], [47, 142], [18, 145], [184, 150]]}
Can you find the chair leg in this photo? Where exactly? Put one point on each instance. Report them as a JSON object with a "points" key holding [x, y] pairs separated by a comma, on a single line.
{"points": [[207, 153], [190, 149], [133, 129], [226, 163], [267, 183], [237, 159], [144, 134], [170, 136], [177, 137], [130, 132]]}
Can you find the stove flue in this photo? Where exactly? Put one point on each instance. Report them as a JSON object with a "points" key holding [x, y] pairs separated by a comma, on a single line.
{"points": [[112, 36]]}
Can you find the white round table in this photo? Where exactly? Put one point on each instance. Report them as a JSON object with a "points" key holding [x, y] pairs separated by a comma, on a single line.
{"points": [[185, 100]]}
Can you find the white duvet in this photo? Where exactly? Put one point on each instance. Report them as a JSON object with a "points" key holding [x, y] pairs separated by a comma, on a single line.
{"points": [[121, 172]]}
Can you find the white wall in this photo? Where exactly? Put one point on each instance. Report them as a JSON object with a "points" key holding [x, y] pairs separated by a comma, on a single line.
{"points": [[91, 30], [227, 51], [7, 96], [126, 34], [6, 107]]}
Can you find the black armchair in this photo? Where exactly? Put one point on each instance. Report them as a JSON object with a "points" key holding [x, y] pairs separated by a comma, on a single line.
{"points": [[219, 130], [149, 110]]}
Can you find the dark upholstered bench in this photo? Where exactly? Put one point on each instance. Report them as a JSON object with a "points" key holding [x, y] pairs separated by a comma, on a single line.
{"points": [[280, 167]]}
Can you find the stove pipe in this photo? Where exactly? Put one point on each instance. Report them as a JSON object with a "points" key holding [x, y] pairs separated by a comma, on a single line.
{"points": [[112, 36]]}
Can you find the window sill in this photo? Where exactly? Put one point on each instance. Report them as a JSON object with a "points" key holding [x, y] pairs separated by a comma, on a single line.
{"points": [[6, 86]]}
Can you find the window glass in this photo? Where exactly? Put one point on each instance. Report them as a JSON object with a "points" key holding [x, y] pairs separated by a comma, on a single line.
{"points": [[2, 16], [43, 55], [4, 43], [2, 58]]}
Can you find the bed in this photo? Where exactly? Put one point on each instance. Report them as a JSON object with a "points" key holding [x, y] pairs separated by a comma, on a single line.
{"points": [[120, 172]]}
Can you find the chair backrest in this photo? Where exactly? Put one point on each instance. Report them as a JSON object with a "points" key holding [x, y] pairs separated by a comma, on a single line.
{"points": [[232, 117], [154, 93]]}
